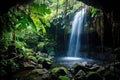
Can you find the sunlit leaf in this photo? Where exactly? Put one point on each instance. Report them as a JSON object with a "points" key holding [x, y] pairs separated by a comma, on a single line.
{"points": [[41, 9], [47, 24], [17, 25], [32, 24], [43, 29], [64, 78], [61, 2], [93, 11]]}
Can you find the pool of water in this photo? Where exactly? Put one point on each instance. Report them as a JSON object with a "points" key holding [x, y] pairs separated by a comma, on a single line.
{"points": [[70, 61]]}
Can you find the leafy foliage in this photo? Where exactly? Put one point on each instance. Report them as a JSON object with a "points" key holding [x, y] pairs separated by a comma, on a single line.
{"points": [[38, 13], [56, 69], [41, 9], [22, 26], [93, 12]]}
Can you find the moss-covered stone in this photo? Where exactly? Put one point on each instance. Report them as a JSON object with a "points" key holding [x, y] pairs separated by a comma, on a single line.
{"points": [[33, 74], [58, 71], [93, 76], [46, 62], [64, 78], [80, 75], [78, 67], [110, 75]]}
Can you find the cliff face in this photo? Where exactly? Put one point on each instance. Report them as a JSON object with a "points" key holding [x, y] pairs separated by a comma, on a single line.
{"points": [[106, 5], [110, 20], [109, 7]]}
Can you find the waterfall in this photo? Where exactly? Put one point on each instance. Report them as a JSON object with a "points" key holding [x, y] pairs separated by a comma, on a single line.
{"points": [[75, 36]]}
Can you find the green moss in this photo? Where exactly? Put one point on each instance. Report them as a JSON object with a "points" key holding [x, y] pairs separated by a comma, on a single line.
{"points": [[48, 59], [59, 71], [64, 78], [91, 73], [93, 76], [75, 65], [32, 57], [41, 45], [112, 68], [54, 70], [41, 59]]}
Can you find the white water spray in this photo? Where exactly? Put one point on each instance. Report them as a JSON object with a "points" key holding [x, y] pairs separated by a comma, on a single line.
{"points": [[75, 37]]}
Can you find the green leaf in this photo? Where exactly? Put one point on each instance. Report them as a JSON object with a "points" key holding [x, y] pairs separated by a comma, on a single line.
{"points": [[41, 9], [48, 11], [31, 23], [43, 29], [47, 24], [17, 25], [22, 26], [93, 11]]}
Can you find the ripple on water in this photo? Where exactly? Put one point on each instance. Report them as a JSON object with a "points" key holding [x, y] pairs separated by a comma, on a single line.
{"points": [[70, 61]]}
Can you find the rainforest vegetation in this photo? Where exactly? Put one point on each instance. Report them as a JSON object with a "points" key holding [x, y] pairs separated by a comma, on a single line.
{"points": [[33, 33]]}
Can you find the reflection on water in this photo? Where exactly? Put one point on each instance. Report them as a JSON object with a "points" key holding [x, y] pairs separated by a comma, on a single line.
{"points": [[70, 61]]}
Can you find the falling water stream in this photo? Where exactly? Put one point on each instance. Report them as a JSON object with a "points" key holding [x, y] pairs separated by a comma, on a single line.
{"points": [[73, 53], [75, 37]]}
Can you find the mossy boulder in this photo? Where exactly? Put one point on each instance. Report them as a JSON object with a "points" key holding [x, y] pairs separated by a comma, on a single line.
{"points": [[58, 71], [80, 75], [109, 75], [93, 76], [64, 78], [78, 67], [33, 74], [95, 67], [46, 62], [38, 74]]}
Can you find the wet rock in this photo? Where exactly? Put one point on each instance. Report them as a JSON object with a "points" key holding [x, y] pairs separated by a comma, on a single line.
{"points": [[39, 71], [34, 74], [117, 67], [115, 55], [28, 65], [88, 65], [101, 70], [32, 64], [3, 73], [80, 75], [46, 64], [58, 71], [93, 76], [84, 63], [110, 76], [78, 67], [95, 67], [110, 72], [38, 74]]}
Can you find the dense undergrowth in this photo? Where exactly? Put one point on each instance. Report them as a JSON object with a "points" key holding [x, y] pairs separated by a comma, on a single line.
{"points": [[29, 33]]}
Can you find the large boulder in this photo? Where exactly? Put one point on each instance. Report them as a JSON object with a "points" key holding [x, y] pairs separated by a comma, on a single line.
{"points": [[34, 74], [78, 67], [46, 62], [93, 76], [57, 72], [80, 75]]}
